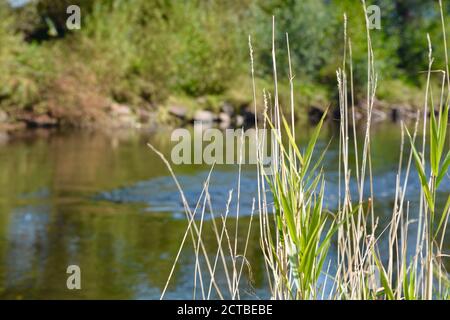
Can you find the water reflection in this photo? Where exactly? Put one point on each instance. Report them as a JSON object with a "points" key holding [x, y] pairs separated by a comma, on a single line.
{"points": [[105, 202]]}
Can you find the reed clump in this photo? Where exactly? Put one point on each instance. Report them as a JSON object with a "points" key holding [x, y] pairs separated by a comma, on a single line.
{"points": [[297, 230]]}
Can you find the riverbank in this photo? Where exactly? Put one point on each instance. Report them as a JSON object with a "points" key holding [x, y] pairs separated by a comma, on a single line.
{"points": [[146, 63], [234, 110], [74, 102]]}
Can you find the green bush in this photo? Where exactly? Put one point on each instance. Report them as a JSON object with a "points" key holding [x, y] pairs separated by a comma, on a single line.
{"points": [[206, 46], [308, 25], [22, 66], [159, 47], [141, 52]]}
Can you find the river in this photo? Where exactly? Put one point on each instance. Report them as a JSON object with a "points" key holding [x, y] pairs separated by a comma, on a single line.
{"points": [[106, 202]]}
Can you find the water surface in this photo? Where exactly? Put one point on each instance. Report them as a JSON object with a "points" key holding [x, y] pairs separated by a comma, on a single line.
{"points": [[106, 202]]}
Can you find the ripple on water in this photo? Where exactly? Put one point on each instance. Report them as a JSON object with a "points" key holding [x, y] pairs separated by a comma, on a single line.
{"points": [[161, 195]]}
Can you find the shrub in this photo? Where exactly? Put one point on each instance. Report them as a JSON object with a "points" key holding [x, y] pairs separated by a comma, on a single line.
{"points": [[22, 66]]}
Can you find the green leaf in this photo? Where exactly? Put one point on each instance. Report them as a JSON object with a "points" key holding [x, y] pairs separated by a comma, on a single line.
{"points": [[384, 279], [443, 121], [422, 176], [443, 170], [443, 217], [409, 283], [311, 144], [292, 142], [434, 142], [318, 161], [288, 213], [279, 140]]}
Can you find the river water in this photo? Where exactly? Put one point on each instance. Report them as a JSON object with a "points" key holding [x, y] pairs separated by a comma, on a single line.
{"points": [[106, 202]]}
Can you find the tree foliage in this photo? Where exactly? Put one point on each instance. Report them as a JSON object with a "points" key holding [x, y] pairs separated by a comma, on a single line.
{"points": [[143, 50]]}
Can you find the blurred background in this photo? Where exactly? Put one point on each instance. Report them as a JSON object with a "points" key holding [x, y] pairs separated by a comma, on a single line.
{"points": [[78, 185], [150, 55]]}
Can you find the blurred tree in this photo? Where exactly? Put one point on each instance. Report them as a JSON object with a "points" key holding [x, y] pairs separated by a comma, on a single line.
{"points": [[384, 42], [46, 19], [308, 25], [143, 51], [413, 19]]}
